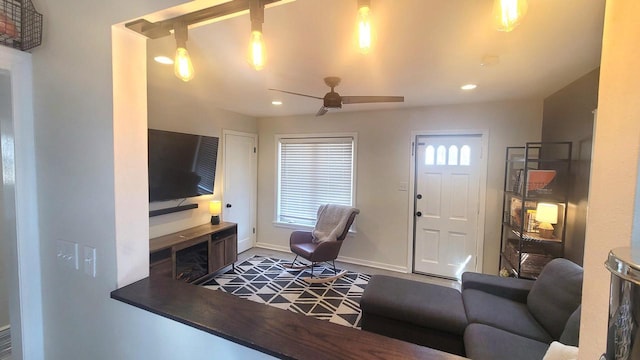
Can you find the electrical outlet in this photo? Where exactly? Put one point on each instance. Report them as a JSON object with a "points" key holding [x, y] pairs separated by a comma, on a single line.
{"points": [[90, 261], [67, 253]]}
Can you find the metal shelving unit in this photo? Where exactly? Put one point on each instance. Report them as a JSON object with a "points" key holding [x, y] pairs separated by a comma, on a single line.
{"points": [[535, 173]]}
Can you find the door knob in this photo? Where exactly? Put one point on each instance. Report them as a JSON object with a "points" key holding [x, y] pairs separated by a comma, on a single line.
{"points": [[418, 214], [419, 196], [228, 205]]}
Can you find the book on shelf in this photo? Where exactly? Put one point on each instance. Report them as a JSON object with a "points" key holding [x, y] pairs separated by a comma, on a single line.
{"points": [[516, 212], [539, 182]]}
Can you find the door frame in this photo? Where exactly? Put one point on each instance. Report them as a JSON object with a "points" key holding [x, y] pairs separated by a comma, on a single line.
{"points": [[254, 197], [24, 248], [484, 140]]}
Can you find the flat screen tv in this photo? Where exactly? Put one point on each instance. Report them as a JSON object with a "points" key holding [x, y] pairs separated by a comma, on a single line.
{"points": [[180, 165]]}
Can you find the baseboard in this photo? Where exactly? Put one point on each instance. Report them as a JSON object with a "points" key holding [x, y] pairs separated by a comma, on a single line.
{"points": [[273, 247], [348, 260], [373, 264]]}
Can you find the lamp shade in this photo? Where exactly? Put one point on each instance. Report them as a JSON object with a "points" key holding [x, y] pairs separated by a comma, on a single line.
{"points": [[547, 213], [215, 207]]}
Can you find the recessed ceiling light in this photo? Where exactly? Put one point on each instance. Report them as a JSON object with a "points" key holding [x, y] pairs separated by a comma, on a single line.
{"points": [[276, 102], [468, 87], [163, 60]]}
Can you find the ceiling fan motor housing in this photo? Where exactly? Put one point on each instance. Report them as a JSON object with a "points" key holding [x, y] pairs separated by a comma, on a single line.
{"points": [[333, 100]]}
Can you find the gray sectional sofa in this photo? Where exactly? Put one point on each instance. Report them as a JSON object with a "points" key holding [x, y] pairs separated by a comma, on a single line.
{"points": [[490, 318]]}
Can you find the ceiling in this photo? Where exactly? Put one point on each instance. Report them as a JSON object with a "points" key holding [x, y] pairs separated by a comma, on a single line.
{"points": [[423, 49]]}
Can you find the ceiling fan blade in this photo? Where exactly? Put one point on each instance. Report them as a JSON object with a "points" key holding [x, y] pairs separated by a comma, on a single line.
{"points": [[295, 93], [323, 110], [371, 99]]}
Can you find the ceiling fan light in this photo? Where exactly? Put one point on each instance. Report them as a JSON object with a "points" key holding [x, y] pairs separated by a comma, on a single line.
{"points": [[364, 26], [507, 14]]}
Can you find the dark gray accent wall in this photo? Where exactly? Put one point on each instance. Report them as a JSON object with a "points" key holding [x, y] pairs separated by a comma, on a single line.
{"points": [[568, 116]]}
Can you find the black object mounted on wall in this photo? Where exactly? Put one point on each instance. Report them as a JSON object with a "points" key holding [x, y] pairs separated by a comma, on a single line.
{"points": [[170, 210], [20, 24]]}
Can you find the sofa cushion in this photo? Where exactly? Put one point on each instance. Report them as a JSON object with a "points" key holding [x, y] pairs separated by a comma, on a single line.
{"points": [[571, 333], [502, 313], [510, 288], [484, 342], [422, 304], [555, 295]]}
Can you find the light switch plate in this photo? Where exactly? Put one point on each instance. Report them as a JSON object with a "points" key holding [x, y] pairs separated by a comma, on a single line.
{"points": [[89, 261]]}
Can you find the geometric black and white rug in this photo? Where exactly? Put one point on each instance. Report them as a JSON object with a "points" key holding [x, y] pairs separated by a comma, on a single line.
{"points": [[265, 280]]}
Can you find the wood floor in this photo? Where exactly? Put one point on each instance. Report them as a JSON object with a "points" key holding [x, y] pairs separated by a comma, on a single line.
{"points": [[357, 268]]}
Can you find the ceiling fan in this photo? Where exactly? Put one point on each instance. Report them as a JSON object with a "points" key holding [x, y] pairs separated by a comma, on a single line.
{"points": [[333, 100]]}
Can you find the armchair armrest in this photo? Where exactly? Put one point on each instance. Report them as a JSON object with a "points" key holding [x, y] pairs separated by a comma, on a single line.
{"points": [[510, 288], [300, 237]]}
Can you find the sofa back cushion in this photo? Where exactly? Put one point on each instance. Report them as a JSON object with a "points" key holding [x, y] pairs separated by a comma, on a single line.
{"points": [[555, 295]]}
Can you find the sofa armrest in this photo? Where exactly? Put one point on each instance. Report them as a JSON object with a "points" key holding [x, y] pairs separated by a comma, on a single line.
{"points": [[510, 288]]}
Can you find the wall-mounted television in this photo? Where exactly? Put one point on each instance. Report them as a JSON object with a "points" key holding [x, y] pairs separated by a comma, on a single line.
{"points": [[180, 165]]}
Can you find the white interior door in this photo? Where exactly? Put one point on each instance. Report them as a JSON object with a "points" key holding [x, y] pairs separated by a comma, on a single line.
{"points": [[240, 185], [447, 198]]}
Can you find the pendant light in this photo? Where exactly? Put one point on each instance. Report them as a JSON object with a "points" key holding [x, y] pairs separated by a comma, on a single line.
{"points": [[257, 55], [364, 26], [507, 14], [182, 66]]}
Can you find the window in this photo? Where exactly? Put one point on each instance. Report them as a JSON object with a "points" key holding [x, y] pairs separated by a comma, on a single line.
{"points": [[313, 171], [441, 157]]}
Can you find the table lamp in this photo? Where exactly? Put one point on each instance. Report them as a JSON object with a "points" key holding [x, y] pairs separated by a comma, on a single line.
{"points": [[546, 214], [215, 207]]}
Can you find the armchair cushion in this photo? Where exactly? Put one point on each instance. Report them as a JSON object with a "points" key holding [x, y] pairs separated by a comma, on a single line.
{"points": [[555, 295], [502, 313]]}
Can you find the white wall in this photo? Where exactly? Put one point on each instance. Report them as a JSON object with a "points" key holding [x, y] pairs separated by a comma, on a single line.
{"points": [[77, 193], [182, 109], [5, 113], [384, 158], [614, 167]]}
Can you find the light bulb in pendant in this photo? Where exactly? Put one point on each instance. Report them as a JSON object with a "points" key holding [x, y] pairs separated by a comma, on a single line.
{"points": [[182, 66], [257, 55], [364, 26], [507, 14]]}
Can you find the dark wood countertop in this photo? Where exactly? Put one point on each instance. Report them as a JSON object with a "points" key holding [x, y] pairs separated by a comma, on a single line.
{"points": [[274, 331]]}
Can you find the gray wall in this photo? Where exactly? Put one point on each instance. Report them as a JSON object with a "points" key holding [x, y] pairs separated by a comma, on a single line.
{"points": [[568, 116], [5, 112], [384, 142]]}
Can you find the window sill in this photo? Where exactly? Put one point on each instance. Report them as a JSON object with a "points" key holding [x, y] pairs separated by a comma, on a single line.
{"points": [[301, 227], [265, 328]]}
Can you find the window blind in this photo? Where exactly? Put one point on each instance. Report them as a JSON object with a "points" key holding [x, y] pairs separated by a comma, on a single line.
{"points": [[312, 172]]}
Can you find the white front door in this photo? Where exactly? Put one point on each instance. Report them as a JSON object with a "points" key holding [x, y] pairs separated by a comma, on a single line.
{"points": [[447, 189], [240, 185]]}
